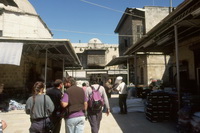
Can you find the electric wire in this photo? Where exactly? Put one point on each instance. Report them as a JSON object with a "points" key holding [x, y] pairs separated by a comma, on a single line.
{"points": [[63, 30], [106, 7]]}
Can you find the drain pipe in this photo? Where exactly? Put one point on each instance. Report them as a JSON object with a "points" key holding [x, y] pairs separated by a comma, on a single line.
{"points": [[177, 67]]}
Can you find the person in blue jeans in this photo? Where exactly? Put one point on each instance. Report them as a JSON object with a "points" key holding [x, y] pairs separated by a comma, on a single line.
{"points": [[75, 102], [96, 117]]}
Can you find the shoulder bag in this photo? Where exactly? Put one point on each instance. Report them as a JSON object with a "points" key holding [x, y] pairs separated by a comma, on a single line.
{"points": [[48, 125]]}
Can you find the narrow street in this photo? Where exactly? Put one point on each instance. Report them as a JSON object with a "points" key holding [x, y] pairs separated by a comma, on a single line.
{"points": [[18, 122]]}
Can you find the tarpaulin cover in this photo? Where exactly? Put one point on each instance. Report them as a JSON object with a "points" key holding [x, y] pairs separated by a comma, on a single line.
{"points": [[10, 53]]}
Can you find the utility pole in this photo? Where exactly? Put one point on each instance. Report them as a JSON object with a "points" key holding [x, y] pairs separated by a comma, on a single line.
{"points": [[170, 8]]}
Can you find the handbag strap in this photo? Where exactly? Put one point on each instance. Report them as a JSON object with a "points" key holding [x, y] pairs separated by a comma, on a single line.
{"points": [[97, 88], [44, 106], [45, 122]]}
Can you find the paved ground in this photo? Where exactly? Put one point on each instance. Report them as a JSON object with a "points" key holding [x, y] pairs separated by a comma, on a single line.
{"points": [[135, 122]]}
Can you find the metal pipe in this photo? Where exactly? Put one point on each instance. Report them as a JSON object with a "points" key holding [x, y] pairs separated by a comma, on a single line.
{"points": [[63, 67], [135, 63], [127, 71], [63, 74], [45, 69], [177, 67], [170, 6]]}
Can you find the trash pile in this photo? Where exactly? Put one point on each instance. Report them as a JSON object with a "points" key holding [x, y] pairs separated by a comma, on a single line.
{"points": [[6, 106], [13, 105]]}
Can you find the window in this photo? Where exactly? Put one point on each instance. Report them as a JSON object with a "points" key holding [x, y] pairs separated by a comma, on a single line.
{"points": [[139, 36], [96, 60], [139, 28], [125, 43]]}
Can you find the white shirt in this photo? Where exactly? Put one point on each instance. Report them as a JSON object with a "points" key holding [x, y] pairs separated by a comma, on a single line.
{"points": [[122, 88]]}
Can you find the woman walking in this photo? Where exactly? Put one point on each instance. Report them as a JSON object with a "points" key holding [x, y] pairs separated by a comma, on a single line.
{"points": [[39, 107]]}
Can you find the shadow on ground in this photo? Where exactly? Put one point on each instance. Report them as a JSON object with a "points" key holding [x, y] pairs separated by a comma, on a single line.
{"points": [[136, 121]]}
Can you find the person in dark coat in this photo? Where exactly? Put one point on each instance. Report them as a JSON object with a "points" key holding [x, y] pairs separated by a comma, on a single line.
{"points": [[56, 94]]}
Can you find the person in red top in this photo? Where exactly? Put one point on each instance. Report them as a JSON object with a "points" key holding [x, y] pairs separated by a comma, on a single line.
{"points": [[84, 86]]}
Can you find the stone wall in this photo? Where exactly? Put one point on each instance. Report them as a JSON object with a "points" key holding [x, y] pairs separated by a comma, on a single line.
{"points": [[157, 67], [153, 66], [31, 69], [11, 76], [154, 15]]}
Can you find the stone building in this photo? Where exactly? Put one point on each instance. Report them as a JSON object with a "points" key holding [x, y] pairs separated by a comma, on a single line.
{"points": [[133, 25], [94, 57], [178, 35], [40, 57], [19, 19]]}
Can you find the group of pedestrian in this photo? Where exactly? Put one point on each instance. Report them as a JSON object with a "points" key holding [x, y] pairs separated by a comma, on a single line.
{"points": [[70, 104], [66, 100]]}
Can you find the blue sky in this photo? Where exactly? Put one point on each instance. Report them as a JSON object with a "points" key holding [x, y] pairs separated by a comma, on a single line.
{"points": [[82, 20]]}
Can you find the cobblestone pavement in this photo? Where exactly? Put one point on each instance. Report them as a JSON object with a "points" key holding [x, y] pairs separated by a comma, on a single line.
{"points": [[134, 122]]}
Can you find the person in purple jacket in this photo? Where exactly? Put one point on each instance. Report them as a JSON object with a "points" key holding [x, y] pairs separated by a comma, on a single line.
{"points": [[75, 101]]}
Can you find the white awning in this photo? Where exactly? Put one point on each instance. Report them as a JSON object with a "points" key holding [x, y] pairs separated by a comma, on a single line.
{"points": [[10, 53]]}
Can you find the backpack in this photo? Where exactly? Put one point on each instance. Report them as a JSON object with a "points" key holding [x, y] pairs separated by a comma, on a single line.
{"points": [[95, 102]]}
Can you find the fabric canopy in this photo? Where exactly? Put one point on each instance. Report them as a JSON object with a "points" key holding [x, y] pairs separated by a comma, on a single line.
{"points": [[10, 53]]}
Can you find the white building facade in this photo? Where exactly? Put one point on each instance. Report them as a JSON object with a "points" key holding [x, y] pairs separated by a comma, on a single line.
{"points": [[94, 57], [19, 19]]}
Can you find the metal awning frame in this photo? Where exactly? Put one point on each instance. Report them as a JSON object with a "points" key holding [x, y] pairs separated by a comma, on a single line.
{"points": [[55, 49]]}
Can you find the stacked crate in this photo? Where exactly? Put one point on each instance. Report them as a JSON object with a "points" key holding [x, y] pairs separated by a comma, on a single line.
{"points": [[158, 106]]}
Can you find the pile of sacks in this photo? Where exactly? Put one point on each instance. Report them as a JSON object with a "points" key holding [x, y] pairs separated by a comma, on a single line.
{"points": [[195, 122], [133, 105]]}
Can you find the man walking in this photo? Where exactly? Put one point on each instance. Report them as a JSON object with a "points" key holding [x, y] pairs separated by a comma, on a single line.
{"points": [[122, 89], [56, 94], [76, 102]]}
